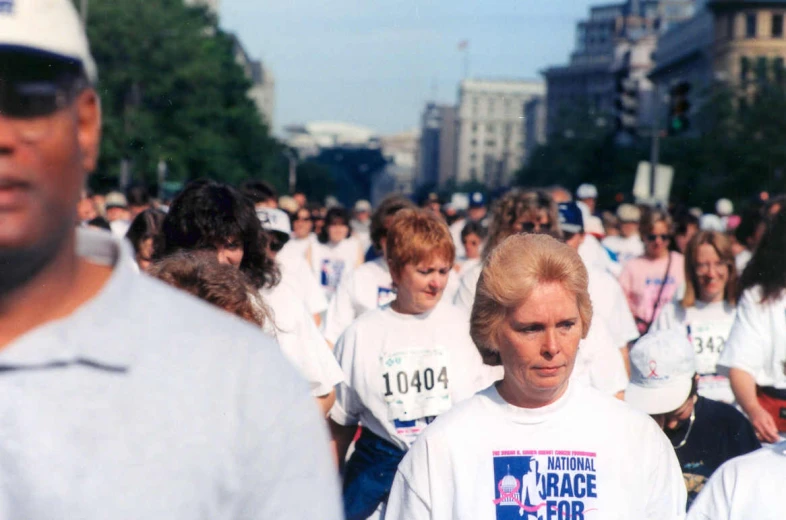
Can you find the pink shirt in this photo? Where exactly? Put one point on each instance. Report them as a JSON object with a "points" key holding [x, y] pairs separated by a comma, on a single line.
{"points": [[641, 280]]}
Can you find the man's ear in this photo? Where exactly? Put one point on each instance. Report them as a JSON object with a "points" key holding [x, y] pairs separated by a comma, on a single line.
{"points": [[88, 106]]}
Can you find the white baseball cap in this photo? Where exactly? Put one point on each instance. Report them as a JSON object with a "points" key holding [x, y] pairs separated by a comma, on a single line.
{"points": [[274, 220], [587, 191], [724, 207], [48, 27], [662, 367]]}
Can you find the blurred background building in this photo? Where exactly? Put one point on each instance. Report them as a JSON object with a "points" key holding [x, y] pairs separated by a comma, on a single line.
{"points": [[491, 129]]}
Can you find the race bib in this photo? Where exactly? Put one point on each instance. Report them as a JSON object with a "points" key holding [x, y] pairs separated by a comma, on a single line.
{"points": [[415, 383], [709, 339]]}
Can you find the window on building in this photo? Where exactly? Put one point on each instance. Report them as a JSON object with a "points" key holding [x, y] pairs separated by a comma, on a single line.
{"points": [[474, 142], [490, 128], [750, 25], [730, 26], [491, 106], [473, 173], [745, 67], [491, 143], [474, 127], [777, 26]]}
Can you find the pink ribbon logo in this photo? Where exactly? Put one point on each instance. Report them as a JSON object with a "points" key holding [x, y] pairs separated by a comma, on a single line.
{"points": [[653, 367]]}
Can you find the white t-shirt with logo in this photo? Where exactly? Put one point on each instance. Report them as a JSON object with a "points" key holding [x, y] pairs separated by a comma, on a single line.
{"points": [[749, 487], [332, 262], [586, 455], [707, 326], [401, 371], [368, 287], [626, 248], [757, 341], [300, 340]]}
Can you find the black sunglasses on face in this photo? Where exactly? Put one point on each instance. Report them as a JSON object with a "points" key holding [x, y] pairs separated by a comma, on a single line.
{"points": [[277, 243], [654, 237]]}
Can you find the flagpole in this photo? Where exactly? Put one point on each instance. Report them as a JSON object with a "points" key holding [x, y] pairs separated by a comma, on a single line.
{"points": [[466, 63]]}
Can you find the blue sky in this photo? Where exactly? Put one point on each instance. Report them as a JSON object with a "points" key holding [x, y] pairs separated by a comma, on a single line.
{"points": [[376, 62]]}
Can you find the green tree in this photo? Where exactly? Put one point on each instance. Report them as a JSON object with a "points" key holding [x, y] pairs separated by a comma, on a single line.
{"points": [[171, 90]]}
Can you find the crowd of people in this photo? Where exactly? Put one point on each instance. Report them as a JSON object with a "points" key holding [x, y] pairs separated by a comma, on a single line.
{"points": [[235, 354]]}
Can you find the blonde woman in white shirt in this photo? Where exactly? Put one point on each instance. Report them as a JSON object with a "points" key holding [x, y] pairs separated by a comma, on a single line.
{"points": [[591, 455]]}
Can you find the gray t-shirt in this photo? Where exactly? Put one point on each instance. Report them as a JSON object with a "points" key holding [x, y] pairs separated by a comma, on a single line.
{"points": [[149, 404]]}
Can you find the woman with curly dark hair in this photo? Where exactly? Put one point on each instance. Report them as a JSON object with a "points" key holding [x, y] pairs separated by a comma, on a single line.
{"points": [[755, 352], [209, 215], [216, 217]]}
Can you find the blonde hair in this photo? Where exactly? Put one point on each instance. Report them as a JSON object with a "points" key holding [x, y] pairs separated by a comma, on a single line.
{"points": [[722, 246], [417, 235], [511, 273], [508, 210]]}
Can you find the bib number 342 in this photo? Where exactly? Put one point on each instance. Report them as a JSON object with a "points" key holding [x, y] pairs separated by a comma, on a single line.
{"points": [[416, 384]]}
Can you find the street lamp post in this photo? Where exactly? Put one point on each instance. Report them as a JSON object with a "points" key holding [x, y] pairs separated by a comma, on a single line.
{"points": [[292, 157]]}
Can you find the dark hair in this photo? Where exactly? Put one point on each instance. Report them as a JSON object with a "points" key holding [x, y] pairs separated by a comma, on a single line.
{"points": [[766, 267], [259, 191], [100, 222], [652, 216], [144, 226], [683, 220], [206, 213], [335, 214], [749, 223], [199, 274], [138, 196], [387, 208], [473, 228]]}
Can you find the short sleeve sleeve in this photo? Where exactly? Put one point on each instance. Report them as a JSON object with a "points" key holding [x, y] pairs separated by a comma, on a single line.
{"points": [[347, 408], [749, 337]]}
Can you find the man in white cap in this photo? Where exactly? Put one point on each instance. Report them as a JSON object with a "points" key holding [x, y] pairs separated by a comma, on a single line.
{"points": [[704, 433], [588, 194], [292, 324], [627, 245], [295, 271], [122, 397]]}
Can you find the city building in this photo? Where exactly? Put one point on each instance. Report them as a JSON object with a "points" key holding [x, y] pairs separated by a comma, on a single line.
{"points": [[617, 40], [737, 42], [262, 91], [534, 126], [310, 138], [491, 129], [436, 154], [398, 176]]}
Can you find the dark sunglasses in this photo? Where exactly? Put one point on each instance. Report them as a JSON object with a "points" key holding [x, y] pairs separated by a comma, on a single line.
{"points": [[654, 237], [529, 227], [277, 243], [37, 86]]}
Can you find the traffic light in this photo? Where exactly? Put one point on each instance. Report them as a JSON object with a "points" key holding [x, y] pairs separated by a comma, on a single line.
{"points": [[627, 102], [679, 108]]}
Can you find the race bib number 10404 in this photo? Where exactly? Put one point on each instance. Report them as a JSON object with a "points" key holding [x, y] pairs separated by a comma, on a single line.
{"points": [[416, 383]]}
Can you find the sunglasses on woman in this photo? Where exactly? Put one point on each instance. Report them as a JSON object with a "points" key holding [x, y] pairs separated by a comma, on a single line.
{"points": [[653, 237]]}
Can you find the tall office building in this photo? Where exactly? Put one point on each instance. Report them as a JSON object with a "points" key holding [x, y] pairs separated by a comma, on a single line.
{"points": [[436, 157], [613, 37], [491, 136]]}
